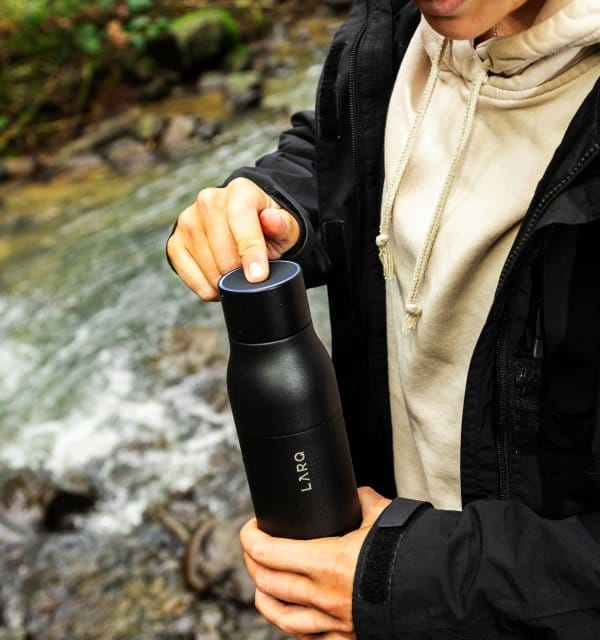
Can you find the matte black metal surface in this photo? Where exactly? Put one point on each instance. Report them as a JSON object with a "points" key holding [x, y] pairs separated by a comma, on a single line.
{"points": [[265, 311]]}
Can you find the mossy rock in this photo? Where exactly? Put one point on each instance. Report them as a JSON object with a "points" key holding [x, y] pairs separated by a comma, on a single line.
{"points": [[203, 37]]}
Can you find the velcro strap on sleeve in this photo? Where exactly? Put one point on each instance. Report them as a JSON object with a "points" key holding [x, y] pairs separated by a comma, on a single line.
{"points": [[374, 572]]}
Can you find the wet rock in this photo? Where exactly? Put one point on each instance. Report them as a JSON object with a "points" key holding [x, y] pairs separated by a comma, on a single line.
{"points": [[203, 36], [32, 503], [76, 586], [89, 586], [63, 508], [185, 350], [103, 133], [211, 81], [86, 585], [16, 224], [179, 135], [149, 127], [128, 155], [240, 59], [76, 163], [214, 560], [244, 89], [159, 86], [207, 130], [22, 499], [254, 628], [19, 168]]}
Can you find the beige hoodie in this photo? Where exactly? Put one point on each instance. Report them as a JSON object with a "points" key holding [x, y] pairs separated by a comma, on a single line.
{"points": [[457, 187]]}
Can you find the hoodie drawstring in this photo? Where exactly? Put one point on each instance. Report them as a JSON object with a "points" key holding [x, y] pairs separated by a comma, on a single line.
{"points": [[412, 309], [383, 239]]}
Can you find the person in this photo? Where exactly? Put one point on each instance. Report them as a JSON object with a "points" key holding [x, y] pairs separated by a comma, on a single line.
{"points": [[446, 189]]}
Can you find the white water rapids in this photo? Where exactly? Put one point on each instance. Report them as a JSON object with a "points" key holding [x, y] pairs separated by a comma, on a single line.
{"points": [[85, 296]]}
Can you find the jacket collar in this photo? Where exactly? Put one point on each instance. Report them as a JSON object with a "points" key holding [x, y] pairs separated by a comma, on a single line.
{"points": [[566, 198]]}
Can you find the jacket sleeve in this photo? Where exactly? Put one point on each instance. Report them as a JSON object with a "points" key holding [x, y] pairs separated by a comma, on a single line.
{"points": [[289, 176], [495, 570]]}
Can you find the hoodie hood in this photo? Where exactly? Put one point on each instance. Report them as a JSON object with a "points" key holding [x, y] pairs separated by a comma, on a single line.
{"points": [[525, 65]]}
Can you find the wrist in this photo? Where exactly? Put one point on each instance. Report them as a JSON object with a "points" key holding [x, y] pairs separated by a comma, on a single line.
{"points": [[373, 581]]}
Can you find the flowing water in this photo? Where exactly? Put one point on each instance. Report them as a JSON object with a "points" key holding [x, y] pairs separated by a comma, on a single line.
{"points": [[86, 304]]}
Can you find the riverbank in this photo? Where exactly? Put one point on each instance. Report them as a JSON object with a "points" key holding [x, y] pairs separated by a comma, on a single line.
{"points": [[116, 153], [174, 114], [121, 484]]}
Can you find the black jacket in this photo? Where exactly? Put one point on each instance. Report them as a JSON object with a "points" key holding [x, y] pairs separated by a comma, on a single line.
{"points": [[523, 557]]}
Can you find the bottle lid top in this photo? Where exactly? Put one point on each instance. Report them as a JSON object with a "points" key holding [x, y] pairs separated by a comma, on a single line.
{"points": [[257, 312]]}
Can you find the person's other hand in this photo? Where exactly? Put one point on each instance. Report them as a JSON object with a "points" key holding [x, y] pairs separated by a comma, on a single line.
{"points": [[228, 227], [304, 587]]}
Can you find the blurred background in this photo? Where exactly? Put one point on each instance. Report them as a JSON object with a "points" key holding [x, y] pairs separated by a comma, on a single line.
{"points": [[121, 484]]}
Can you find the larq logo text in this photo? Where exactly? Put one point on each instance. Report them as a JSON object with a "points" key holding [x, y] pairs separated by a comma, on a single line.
{"points": [[302, 471]]}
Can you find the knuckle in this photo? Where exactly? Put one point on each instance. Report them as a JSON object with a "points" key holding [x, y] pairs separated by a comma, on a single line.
{"points": [[338, 608], [261, 580], [228, 262], [259, 551], [207, 197], [255, 551], [347, 626], [339, 563], [187, 221], [250, 246], [171, 247], [237, 209], [241, 183]]}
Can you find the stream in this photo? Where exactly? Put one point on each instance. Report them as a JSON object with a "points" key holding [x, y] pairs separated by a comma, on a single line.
{"points": [[113, 372]]}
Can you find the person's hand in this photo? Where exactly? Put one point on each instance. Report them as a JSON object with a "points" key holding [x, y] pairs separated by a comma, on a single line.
{"points": [[304, 587], [228, 227]]}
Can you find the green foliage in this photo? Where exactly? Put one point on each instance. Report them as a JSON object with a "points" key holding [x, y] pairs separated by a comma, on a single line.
{"points": [[139, 5], [221, 15], [143, 29], [58, 56], [72, 26], [89, 38], [54, 50]]}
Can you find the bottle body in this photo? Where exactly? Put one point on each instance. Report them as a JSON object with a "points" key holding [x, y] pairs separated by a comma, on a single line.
{"points": [[287, 412]]}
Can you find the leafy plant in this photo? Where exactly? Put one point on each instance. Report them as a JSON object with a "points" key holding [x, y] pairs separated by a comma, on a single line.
{"points": [[73, 41], [89, 39]]}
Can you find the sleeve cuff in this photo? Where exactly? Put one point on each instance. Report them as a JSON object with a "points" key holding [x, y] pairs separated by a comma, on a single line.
{"points": [[373, 583], [305, 243]]}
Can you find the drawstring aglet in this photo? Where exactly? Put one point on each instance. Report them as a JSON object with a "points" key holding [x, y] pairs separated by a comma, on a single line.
{"points": [[411, 319], [385, 255]]}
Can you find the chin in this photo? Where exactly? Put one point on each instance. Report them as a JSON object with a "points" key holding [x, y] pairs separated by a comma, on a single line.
{"points": [[456, 28]]}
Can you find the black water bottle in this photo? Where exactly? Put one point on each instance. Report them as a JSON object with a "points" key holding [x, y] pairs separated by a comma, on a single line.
{"points": [[286, 408]]}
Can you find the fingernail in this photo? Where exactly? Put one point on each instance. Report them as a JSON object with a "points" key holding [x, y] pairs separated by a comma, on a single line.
{"points": [[255, 270]]}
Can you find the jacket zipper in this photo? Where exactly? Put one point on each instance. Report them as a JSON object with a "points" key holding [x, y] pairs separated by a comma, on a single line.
{"points": [[356, 158], [502, 440]]}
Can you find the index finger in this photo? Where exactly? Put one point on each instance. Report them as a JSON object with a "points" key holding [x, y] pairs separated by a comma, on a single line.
{"points": [[247, 233], [284, 554]]}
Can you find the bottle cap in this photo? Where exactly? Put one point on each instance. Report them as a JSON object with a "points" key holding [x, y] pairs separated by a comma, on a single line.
{"points": [[258, 312]]}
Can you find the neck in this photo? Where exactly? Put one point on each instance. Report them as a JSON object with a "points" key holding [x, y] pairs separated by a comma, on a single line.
{"points": [[520, 19], [515, 22]]}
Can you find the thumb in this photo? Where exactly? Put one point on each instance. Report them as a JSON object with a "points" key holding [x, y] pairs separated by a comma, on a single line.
{"points": [[281, 231], [372, 504]]}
